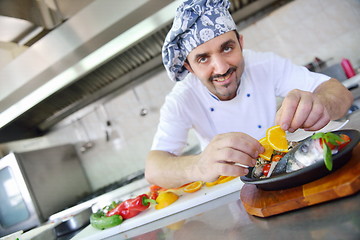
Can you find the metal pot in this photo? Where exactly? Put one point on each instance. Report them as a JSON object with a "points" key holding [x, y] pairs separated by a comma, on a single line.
{"points": [[74, 223]]}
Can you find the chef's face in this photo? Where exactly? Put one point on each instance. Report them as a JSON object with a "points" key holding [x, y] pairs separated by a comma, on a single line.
{"points": [[219, 64]]}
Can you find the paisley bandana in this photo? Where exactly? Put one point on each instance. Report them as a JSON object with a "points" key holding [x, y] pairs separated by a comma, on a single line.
{"points": [[195, 22]]}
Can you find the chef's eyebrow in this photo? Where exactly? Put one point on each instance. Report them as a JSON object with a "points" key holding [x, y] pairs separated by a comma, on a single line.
{"points": [[226, 44]]}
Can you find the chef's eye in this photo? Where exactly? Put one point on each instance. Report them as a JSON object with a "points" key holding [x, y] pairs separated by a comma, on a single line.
{"points": [[202, 60], [227, 49]]}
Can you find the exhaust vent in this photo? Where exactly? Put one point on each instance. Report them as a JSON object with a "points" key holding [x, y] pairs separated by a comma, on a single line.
{"points": [[136, 38]]}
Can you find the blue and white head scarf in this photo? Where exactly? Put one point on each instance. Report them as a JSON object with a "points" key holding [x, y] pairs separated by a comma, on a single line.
{"points": [[195, 22]]}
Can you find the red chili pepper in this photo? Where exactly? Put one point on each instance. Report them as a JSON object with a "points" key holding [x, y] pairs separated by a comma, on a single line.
{"points": [[154, 191], [266, 169], [131, 207], [339, 144], [155, 188], [346, 140]]}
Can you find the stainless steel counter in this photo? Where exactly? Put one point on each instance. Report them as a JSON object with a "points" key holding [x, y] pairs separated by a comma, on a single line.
{"points": [[226, 218], [339, 219]]}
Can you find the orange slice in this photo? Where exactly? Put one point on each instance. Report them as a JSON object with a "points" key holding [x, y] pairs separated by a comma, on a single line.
{"points": [[193, 187], [177, 191], [221, 179], [224, 179], [210, 184], [276, 137], [268, 149]]}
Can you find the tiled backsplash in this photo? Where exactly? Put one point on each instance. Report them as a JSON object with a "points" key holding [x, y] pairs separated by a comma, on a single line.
{"points": [[304, 29], [300, 30]]}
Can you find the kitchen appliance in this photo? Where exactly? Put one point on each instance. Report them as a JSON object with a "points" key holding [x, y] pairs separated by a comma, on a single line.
{"points": [[37, 184]]}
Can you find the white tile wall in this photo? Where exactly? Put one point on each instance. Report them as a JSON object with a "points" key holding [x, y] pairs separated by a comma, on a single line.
{"points": [[304, 29], [300, 30]]}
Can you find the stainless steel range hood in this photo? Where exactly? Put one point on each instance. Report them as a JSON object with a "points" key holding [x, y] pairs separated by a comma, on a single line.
{"points": [[104, 47]]}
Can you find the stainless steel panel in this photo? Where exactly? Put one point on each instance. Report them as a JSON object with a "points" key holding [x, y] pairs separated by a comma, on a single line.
{"points": [[99, 51], [55, 178]]}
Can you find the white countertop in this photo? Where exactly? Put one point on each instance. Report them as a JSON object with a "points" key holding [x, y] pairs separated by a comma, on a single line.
{"points": [[212, 195]]}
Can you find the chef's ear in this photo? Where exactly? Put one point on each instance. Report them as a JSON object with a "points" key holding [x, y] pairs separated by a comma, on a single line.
{"points": [[187, 66], [241, 41]]}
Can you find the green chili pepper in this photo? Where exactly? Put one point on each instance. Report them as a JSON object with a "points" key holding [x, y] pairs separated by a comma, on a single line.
{"points": [[100, 221]]}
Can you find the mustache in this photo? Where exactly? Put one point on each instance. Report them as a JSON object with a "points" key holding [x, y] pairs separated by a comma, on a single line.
{"points": [[228, 72]]}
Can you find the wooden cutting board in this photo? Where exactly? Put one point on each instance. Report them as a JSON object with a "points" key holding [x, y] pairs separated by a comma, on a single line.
{"points": [[343, 182]]}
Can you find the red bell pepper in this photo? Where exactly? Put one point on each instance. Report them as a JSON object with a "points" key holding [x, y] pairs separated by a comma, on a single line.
{"points": [[131, 207]]}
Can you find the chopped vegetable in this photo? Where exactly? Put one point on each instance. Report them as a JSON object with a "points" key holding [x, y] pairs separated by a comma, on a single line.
{"points": [[154, 191], [153, 195], [330, 141], [165, 199], [131, 207], [276, 158], [266, 169], [346, 139], [100, 221]]}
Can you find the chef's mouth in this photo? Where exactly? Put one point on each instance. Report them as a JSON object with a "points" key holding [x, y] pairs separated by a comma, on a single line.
{"points": [[223, 77]]}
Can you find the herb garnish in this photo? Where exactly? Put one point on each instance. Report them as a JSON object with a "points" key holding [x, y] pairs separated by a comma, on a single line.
{"points": [[331, 138]]}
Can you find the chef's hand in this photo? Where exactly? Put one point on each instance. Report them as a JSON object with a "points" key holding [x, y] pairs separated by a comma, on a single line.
{"points": [[301, 109], [222, 154]]}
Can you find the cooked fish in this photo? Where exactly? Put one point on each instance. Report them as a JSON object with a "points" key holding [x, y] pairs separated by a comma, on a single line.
{"points": [[303, 155]]}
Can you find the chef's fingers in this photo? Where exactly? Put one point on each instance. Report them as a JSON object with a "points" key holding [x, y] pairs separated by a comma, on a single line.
{"points": [[239, 142], [303, 111], [232, 156], [287, 110], [318, 118], [227, 169], [322, 122]]}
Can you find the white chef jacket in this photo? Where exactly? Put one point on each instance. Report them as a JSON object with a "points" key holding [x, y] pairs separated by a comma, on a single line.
{"points": [[252, 111]]}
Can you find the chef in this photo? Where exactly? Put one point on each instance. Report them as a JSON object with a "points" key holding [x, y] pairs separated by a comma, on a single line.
{"points": [[227, 94]]}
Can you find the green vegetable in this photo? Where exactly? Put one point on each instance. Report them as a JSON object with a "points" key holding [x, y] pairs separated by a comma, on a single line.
{"points": [[327, 156], [328, 139], [111, 206], [100, 221]]}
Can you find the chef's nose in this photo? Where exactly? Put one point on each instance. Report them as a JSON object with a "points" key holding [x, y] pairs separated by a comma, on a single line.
{"points": [[220, 66]]}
